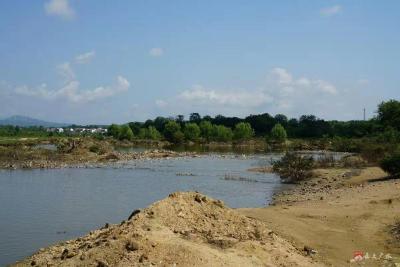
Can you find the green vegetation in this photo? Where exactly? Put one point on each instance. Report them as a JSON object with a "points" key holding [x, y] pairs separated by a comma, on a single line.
{"points": [[206, 130], [373, 139], [243, 131], [172, 132], [121, 132], [389, 114], [278, 134], [391, 164], [192, 131], [293, 167], [221, 133], [15, 131], [125, 133]]}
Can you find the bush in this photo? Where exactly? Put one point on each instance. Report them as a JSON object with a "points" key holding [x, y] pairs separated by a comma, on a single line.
{"points": [[152, 133], [192, 131], [391, 164], [125, 133], [221, 133], [206, 129], [243, 131], [293, 167], [178, 137], [278, 134], [171, 128], [114, 130]]}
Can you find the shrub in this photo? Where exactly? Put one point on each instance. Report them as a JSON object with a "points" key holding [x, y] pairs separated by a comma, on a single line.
{"points": [[243, 131], [178, 137], [125, 133], [171, 128], [192, 131], [221, 133], [152, 133], [391, 164], [114, 130], [278, 134], [206, 129], [293, 167]]}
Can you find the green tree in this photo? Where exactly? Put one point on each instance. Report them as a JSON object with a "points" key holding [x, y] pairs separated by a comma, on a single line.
{"points": [[206, 129], [278, 133], [142, 133], [389, 114], [114, 130], [221, 133], [152, 133], [195, 117], [126, 133], [192, 131], [243, 131], [391, 164], [178, 137], [135, 127], [170, 129]]}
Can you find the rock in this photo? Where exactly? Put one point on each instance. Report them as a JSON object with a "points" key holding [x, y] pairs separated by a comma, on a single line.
{"points": [[33, 263], [133, 214], [197, 198], [64, 254], [142, 258], [309, 251], [132, 246], [101, 263]]}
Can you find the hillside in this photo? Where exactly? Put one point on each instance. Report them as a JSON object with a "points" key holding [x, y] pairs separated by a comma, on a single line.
{"points": [[24, 121]]}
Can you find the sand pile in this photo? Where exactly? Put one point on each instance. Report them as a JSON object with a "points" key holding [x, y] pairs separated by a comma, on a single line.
{"points": [[185, 229]]}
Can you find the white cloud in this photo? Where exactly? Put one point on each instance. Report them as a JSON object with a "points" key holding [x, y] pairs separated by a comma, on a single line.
{"points": [[239, 98], [66, 71], [59, 8], [283, 80], [281, 75], [283, 92], [72, 92], [161, 103], [156, 52], [331, 11], [85, 58]]}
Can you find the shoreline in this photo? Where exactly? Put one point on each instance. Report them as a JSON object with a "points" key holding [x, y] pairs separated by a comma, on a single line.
{"points": [[321, 221], [337, 213]]}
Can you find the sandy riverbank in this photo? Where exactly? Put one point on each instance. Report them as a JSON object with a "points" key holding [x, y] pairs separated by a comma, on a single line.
{"points": [[185, 229], [337, 215], [321, 222]]}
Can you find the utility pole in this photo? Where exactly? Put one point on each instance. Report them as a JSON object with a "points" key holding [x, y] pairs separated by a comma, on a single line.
{"points": [[364, 114]]}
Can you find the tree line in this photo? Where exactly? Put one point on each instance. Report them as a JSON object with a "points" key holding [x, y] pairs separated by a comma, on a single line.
{"points": [[385, 125]]}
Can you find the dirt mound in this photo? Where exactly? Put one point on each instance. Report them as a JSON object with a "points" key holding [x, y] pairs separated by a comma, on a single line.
{"points": [[185, 229]]}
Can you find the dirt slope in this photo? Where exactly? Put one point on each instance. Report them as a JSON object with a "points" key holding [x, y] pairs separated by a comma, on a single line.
{"points": [[185, 229]]}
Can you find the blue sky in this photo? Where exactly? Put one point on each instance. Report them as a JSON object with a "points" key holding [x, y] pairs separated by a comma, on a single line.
{"points": [[90, 61]]}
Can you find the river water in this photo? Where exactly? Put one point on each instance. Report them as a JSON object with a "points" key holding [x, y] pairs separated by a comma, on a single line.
{"points": [[42, 207]]}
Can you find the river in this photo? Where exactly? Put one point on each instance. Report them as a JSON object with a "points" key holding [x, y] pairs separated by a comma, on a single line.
{"points": [[42, 207]]}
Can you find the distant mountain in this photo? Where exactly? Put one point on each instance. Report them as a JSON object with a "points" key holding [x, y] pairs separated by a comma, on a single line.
{"points": [[23, 121]]}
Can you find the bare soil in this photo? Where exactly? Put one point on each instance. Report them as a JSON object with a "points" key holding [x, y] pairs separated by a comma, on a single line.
{"points": [[185, 229], [337, 215]]}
